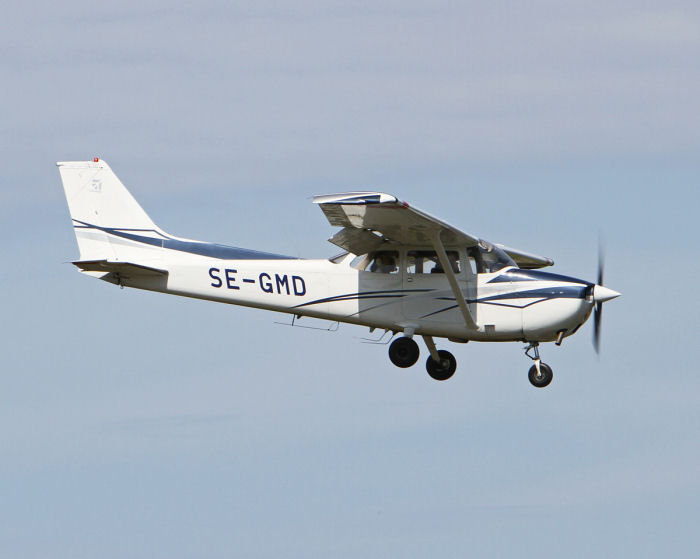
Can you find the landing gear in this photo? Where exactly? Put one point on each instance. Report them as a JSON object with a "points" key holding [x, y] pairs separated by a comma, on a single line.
{"points": [[442, 369], [540, 378], [540, 374], [441, 365], [404, 352]]}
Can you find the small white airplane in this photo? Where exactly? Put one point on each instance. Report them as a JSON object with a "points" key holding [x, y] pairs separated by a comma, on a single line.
{"points": [[402, 271]]}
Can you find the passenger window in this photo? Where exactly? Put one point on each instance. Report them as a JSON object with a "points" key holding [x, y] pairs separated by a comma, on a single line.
{"points": [[427, 262], [384, 262]]}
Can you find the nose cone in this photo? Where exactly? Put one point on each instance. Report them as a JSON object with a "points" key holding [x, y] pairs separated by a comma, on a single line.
{"points": [[602, 294]]}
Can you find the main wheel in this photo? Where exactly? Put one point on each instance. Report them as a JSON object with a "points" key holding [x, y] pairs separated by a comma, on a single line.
{"points": [[445, 368], [404, 352], [544, 378]]}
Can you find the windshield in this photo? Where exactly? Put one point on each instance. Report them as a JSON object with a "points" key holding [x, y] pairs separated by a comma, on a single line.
{"points": [[489, 258]]}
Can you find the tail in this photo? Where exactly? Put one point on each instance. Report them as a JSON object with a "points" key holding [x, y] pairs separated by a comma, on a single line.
{"points": [[106, 217]]}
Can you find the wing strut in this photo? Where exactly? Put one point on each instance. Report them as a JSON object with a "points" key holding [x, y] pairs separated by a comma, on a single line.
{"points": [[447, 267]]}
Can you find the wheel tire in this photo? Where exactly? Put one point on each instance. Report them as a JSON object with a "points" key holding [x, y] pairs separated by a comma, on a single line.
{"points": [[443, 370], [546, 375], [404, 352]]}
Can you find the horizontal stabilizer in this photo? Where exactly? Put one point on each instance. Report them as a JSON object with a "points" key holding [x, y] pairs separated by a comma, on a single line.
{"points": [[125, 270]]}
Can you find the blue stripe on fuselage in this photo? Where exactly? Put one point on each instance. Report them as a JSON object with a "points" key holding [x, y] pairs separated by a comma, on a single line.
{"points": [[211, 250], [556, 292], [541, 295]]}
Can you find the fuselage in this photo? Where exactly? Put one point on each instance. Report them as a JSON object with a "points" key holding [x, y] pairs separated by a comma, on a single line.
{"points": [[508, 305]]}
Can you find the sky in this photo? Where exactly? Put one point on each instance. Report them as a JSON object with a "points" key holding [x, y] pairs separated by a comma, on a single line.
{"points": [[136, 425]]}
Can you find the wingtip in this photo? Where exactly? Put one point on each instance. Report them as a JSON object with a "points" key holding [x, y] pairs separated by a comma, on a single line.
{"points": [[359, 197]]}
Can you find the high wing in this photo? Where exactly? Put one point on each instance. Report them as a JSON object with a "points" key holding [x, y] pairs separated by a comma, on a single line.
{"points": [[364, 215], [372, 219]]}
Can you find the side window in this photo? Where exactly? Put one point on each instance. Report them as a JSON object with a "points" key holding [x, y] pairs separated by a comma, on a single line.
{"points": [[383, 262], [472, 264], [427, 262]]}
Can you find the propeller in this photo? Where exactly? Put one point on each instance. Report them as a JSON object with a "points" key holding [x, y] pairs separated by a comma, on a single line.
{"points": [[598, 312], [600, 295]]}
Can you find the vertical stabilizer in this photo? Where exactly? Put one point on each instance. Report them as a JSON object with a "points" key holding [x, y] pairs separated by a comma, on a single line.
{"points": [[100, 204]]}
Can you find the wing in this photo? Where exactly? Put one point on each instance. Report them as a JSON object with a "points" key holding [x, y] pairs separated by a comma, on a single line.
{"points": [[372, 219]]}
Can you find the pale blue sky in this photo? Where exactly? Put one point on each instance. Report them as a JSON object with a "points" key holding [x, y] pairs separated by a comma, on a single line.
{"points": [[136, 425]]}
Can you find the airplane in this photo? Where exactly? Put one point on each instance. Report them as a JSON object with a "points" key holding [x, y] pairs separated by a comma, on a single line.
{"points": [[401, 270]]}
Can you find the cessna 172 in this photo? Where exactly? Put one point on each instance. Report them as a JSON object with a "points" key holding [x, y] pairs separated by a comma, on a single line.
{"points": [[402, 271]]}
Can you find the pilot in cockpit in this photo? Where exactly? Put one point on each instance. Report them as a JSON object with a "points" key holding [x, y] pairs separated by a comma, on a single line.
{"points": [[384, 263], [453, 258]]}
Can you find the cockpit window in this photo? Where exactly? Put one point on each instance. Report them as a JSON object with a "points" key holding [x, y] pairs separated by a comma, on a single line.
{"points": [[380, 262], [489, 258]]}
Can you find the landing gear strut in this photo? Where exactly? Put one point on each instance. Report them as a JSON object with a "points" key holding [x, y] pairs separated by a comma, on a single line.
{"points": [[540, 374], [404, 352]]}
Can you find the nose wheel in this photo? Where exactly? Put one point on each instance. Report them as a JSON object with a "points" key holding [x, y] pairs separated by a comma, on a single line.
{"points": [[540, 378], [540, 374]]}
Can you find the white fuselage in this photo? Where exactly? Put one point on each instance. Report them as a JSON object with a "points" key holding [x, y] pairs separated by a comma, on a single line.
{"points": [[508, 305]]}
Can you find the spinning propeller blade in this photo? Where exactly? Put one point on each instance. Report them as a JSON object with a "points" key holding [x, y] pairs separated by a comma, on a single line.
{"points": [[600, 295], [598, 312]]}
